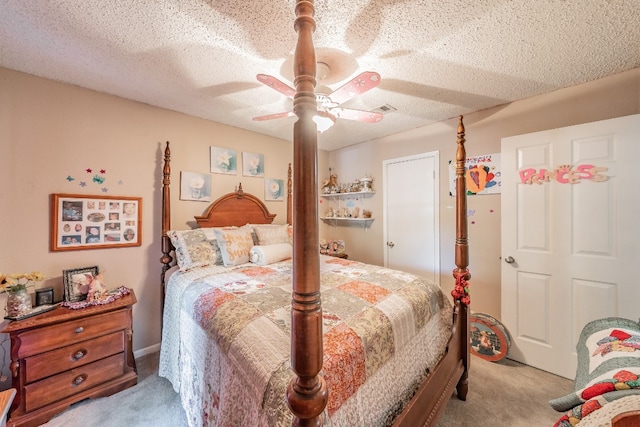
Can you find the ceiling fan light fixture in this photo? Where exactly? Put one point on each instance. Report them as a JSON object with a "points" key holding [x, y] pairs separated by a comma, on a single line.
{"points": [[329, 107], [322, 71], [324, 120]]}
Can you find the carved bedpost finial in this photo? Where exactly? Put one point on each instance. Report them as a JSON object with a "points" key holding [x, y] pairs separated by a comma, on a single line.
{"points": [[239, 192], [166, 170], [461, 153]]}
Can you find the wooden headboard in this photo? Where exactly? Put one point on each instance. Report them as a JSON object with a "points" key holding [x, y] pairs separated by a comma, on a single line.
{"points": [[237, 208]]}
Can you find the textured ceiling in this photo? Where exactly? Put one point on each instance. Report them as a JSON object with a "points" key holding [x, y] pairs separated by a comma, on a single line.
{"points": [[437, 58]]}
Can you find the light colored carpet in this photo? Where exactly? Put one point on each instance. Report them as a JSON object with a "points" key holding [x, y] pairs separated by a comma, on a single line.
{"points": [[152, 402], [506, 393]]}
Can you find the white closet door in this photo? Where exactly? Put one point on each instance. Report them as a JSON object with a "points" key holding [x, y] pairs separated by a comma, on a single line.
{"points": [[411, 220], [570, 251]]}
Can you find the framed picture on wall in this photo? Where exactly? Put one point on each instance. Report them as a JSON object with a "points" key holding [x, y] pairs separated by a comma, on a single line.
{"points": [[80, 221], [195, 186], [224, 160], [274, 189], [252, 164]]}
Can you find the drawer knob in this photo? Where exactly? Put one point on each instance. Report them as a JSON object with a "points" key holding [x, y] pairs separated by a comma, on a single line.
{"points": [[79, 379], [79, 354], [79, 329]]}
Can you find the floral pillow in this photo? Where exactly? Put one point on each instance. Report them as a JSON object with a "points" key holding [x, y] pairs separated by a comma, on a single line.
{"points": [[269, 234], [195, 248], [608, 362], [235, 244]]}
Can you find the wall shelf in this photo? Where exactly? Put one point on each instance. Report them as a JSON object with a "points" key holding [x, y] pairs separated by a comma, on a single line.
{"points": [[337, 203], [344, 195], [336, 220]]}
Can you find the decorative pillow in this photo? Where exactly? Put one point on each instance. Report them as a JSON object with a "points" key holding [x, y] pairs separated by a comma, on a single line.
{"points": [[269, 234], [264, 255], [235, 244], [215, 247], [195, 248], [608, 362]]}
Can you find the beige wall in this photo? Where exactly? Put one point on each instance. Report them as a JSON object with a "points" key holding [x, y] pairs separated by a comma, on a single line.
{"points": [[50, 130], [603, 99]]}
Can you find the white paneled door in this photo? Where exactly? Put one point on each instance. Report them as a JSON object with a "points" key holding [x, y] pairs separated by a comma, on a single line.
{"points": [[570, 236], [411, 219]]}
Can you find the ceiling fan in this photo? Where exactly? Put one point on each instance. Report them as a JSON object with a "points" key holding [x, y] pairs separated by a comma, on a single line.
{"points": [[329, 109]]}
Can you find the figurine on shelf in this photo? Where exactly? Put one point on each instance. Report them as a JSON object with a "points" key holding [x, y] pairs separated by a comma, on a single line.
{"points": [[367, 183], [330, 185]]}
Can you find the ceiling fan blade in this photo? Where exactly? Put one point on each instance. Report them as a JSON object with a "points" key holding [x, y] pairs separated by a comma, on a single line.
{"points": [[358, 85], [358, 115], [273, 116], [276, 84]]}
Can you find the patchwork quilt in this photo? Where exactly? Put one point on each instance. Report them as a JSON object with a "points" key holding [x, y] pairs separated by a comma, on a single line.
{"points": [[608, 368], [226, 341]]}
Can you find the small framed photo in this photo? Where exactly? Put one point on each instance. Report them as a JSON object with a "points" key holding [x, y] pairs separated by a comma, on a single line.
{"points": [[44, 296], [76, 282], [336, 247], [81, 221]]}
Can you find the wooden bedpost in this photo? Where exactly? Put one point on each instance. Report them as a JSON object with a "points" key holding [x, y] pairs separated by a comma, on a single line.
{"points": [[166, 258], [461, 272], [289, 196], [307, 393]]}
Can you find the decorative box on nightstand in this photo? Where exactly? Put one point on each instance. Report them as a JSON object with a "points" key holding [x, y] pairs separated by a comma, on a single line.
{"points": [[63, 356]]}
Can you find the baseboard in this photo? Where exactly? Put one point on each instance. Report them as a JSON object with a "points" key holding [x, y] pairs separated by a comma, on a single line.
{"points": [[147, 350]]}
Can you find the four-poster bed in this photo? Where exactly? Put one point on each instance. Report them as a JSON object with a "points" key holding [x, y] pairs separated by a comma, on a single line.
{"points": [[411, 358]]}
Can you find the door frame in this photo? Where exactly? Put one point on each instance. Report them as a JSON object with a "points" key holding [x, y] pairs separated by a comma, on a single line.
{"points": [[436, 207]]}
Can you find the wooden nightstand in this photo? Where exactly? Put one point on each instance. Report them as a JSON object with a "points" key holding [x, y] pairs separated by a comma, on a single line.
{"points": [[63, 356]]}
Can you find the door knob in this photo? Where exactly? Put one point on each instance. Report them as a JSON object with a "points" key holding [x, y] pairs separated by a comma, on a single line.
{"points": [[509, 260], [391, 244]]}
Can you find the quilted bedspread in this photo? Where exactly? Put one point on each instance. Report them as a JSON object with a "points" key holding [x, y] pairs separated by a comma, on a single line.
{"points": [[226, 341]]}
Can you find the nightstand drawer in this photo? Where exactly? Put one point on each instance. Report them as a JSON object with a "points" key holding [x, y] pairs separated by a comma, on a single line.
{"points": [[46, 364], [52, 389], [47, 338]]}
